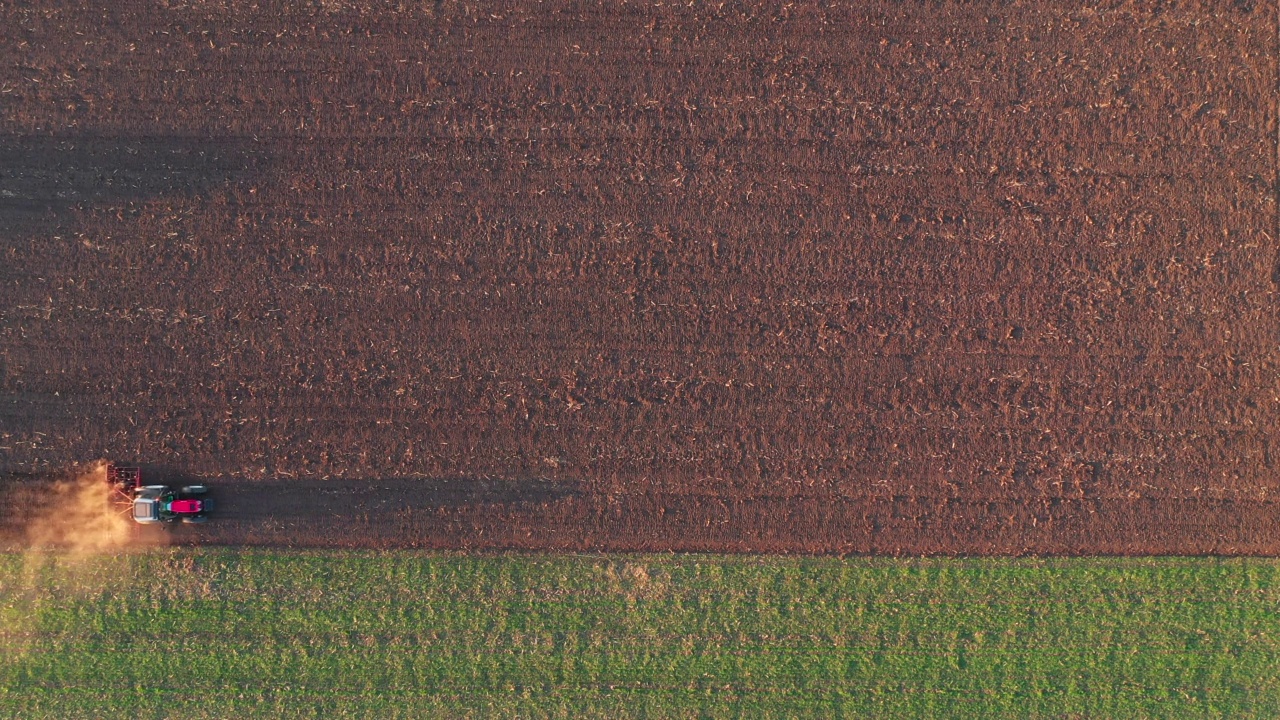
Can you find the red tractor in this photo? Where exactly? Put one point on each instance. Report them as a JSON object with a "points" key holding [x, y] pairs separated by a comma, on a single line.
{"points": [[159, 503]]}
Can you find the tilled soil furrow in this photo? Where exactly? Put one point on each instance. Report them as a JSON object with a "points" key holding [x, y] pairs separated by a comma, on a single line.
{"points": [[866, 277]]}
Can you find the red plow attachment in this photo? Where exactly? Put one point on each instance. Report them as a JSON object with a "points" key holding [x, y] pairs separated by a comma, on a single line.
{"points": [[124, 480]]}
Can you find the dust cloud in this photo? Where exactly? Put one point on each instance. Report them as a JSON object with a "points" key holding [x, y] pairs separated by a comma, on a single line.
{"points": [[72, 529], [79, 517]]}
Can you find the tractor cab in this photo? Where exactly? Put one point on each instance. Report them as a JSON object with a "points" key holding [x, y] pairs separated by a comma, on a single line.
{"points": [[150, 504]]}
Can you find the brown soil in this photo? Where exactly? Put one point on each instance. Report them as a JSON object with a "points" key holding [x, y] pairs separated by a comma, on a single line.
{"points": [[852, 277]]}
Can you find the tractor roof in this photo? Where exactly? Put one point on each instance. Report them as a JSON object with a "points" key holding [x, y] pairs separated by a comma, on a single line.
{"points": [[146, 510]]}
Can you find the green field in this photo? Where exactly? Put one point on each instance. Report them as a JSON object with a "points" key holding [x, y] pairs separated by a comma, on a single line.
{"points": [[221, 634]]}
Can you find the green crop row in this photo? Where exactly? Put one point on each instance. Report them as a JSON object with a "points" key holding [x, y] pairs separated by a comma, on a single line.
{"points": [[212, 633]]}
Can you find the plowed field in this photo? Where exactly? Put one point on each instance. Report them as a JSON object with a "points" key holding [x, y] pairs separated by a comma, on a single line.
{"points": [[893, 277]]}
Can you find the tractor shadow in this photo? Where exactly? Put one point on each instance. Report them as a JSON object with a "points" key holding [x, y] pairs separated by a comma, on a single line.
{"points": [[43, 179], [325, 513], [362, 499]]}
